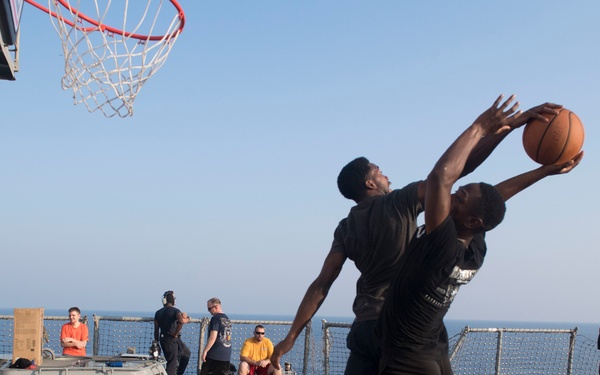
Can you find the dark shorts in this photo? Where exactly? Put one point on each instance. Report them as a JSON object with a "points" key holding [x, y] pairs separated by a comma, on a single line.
{"points": [[411, 366], [214, 367], [364, 349]]}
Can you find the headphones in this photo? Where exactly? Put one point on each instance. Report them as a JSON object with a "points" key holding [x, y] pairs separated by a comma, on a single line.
{"points": [[164, 297]]}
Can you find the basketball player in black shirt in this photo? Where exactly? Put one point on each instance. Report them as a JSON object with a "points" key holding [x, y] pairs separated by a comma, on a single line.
{"points": [[438, 259]]}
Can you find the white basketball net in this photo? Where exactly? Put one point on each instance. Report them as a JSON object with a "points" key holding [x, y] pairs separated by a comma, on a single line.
{"points": [[104, 69]]}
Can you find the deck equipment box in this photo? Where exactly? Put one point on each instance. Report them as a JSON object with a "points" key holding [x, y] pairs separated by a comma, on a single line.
{"points": [[28, 331]]}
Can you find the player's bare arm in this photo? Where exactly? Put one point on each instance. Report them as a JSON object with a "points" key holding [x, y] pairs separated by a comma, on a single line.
{"points": [[509, 188], [487, 145], [314, 297], [450, 166]]}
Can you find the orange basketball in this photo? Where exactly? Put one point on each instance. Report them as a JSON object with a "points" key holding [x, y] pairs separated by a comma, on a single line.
{"points": [[556, 141]]}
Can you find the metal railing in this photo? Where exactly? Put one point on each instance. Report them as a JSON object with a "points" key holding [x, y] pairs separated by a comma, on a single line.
{"points": [[498, 351]]}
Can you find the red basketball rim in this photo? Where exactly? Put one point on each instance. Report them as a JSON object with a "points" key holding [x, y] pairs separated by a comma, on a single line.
{"points": [[98, 26]]}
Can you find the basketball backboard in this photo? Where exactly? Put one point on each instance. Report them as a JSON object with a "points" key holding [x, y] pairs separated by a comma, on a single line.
{"points": [[10, 16]]}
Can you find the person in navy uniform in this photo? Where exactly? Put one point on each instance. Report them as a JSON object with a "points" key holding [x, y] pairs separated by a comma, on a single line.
{"points": [[168, 323]]}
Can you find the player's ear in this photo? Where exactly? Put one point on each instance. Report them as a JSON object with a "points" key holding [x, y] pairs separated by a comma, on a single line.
{"points": [[370, 184], [474, 222]]}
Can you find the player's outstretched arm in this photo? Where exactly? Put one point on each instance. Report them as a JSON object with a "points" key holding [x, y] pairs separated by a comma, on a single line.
{"points": [[509, 188], [451, 164], [488, 144], [314, 297]]}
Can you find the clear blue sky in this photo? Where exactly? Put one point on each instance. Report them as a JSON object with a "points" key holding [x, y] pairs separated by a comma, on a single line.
{"points": [[223, 183]]}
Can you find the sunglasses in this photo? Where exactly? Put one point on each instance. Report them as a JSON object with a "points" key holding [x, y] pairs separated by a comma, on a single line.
{"points": [[212, 307], [259, 333]]}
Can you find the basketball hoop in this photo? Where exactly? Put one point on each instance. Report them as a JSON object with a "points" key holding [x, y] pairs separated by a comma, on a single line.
{"points": [[106, 66]]}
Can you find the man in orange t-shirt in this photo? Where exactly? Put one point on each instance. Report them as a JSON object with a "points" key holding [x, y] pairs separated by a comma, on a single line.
{"points": [[74, 335]]}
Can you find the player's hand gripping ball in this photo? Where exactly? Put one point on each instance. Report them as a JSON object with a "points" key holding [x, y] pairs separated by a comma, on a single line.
{"points": [[556, 141]]}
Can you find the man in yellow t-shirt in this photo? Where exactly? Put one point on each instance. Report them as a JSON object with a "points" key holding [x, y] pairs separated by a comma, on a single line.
{"points": [[74, 335], [255, 355]]}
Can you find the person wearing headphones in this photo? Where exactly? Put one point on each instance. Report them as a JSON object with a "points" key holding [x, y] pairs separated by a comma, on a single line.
{"points": [[168, 323]]}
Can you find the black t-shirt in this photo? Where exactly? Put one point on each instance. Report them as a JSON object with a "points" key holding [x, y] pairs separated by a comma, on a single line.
{"points": [[167, 319], [221, 349], [374, 236], [428, 276]]}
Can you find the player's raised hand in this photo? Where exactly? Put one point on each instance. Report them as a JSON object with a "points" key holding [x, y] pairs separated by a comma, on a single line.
{"points": [[499, 117], [535, 113], [562, 168]]}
